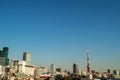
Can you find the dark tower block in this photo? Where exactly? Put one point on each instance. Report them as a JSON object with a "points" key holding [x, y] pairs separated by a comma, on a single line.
{"points": [[74, 68], [5, 55], [5, 52], [1, 53]]}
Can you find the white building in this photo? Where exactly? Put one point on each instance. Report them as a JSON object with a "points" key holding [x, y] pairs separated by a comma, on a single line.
{"points": [[42, 72], [84, 73], [52, 69], [21, 67], [29, 70], [1, 69], [79, 71]]}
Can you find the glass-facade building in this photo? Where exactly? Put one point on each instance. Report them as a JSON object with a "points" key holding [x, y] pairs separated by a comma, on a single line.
{"points": [[4, 56]]}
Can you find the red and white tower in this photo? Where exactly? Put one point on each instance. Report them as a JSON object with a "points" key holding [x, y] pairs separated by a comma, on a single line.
{"points": [[88, 63]]}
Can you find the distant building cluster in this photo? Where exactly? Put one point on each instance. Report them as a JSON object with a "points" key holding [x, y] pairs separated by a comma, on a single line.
{"points": [[15, 67], [24, 70]]}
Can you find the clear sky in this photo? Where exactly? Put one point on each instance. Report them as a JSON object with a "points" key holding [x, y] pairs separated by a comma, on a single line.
{"points": [[59, 31]]}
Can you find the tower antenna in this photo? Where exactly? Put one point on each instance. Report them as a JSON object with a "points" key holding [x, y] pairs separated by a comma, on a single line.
{"points": [[88, 62]]}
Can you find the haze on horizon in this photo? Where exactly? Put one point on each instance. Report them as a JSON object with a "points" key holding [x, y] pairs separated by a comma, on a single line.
{"points": [[59, 32]]}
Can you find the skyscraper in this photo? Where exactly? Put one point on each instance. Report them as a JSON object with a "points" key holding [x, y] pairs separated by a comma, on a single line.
{"points": [[5, 52], [27, 58], [52, 69], [75, 68], [4, 56], [1, 53]]}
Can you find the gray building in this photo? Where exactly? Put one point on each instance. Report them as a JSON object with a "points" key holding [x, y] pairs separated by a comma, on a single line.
{"points": [[52, 69], [75, 68], [27, 58]]}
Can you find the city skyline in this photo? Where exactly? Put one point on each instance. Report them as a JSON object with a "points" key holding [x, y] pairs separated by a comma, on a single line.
{"points": [[59, 32]]}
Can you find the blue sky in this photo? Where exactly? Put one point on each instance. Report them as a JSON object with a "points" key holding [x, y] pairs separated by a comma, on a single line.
{"points": [[59, 31]]}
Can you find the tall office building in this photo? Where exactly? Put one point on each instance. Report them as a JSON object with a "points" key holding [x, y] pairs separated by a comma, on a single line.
{"points": [[75, 68], [1, 53], [27, 58], [52, 69], [5, 52], [4, 56]]}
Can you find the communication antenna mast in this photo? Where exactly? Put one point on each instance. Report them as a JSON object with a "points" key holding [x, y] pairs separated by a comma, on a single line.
{"points": [[88, 62]]}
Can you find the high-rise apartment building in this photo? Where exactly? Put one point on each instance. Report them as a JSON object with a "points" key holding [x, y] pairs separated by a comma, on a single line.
{"points": [[27, 58], [75, 68], [5, 52], [52, 69], [4, 56], [1, 53]]}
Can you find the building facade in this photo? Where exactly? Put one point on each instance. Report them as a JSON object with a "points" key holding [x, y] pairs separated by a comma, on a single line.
{"points": [[27, 58], [75, 68], [4, 56], [52, 69]]}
